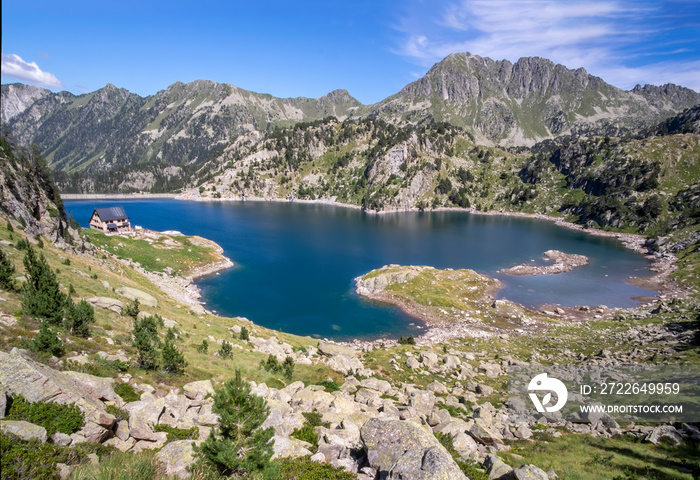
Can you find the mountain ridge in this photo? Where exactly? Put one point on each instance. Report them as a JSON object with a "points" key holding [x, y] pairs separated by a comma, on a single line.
{"points": [[160, 139]]}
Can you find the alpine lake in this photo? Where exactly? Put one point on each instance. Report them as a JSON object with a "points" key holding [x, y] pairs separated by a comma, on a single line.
{"points": [[295, 262]]}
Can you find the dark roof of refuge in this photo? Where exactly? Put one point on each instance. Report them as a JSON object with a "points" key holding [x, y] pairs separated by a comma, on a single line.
{"points": [[111, 213]]}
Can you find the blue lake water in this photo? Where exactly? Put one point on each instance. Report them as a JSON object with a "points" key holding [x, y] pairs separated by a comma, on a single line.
{"points": [[295, 263]]}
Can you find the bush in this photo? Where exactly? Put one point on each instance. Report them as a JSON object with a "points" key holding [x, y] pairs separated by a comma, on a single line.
{"points": [[47, 341], [42, 296], [304, 469], [406, 341], [79, 317], [37, 461], [238, 446], [203, 347], [226, 350], [274, 366], [117, 412], [329, 385], [307, 434], [131, 309], [53, 417], [126, 392], [175, 434]]}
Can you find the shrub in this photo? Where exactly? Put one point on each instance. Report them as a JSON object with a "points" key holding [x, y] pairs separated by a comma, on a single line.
{"points": [[53, 417], [42, 296], [131, 309], [226, 350], [307, 434], [304, 469], [329, 385], [245, 334], [175, 434], [7, 272], [47, 341], [79, 317], [9, 227], [203, 347], [238, 446], [406, 341], [126, 392], [117, 412], [37, 461]]}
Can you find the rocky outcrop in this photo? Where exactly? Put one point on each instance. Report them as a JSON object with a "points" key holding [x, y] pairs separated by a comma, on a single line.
{"points": [[105, 302], [402, 450], [38, 383], [563, 262]]}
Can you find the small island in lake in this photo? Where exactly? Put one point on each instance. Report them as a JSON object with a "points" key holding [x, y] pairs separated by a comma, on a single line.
{"points": [[563, 262]]}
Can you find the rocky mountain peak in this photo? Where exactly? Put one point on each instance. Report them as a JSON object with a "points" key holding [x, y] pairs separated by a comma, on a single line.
{"points": [[17, 97]]}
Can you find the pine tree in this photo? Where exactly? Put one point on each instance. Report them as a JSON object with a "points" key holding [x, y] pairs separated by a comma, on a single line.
{"points": [[146, 341], [79, 317], [173, 358], [42, 296], [7, 272], [239, 446], [47, 341], [226, 351]]}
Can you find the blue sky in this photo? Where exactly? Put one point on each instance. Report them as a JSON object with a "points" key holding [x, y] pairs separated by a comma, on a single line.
{"points": [[371, 48]]}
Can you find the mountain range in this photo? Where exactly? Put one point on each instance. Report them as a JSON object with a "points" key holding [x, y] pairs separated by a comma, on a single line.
{"points": [[495, 102]]}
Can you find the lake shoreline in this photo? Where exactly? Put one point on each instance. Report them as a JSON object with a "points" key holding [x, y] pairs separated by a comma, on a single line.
{"points": [[660, 282]]}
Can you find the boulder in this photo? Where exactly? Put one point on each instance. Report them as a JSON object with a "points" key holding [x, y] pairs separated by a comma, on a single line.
{"points": [[198, 390], [496, 468], [429, 358], [98, 388], [345, 364], [412, 363], [403, 450], [529, 472], [331, 350], [285, 447], [376, 384], [464, 445], [482, 433], [143, 417], [105, 302], [24, 430], [136, 294], [664, 431], [177, 457], [423, 402], [121, 445]]}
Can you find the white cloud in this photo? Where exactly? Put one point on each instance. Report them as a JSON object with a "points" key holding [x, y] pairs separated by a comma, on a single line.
{"points": [[607, 38], [13, 66]]}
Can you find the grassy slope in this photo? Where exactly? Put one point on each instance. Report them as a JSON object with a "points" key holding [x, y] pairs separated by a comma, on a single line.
{"points": [[111, 325]]}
